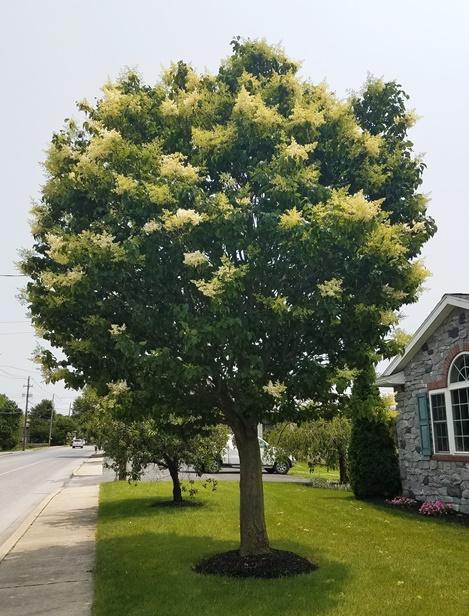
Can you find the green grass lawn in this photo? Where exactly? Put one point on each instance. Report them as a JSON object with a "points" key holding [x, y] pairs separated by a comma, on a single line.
{"points": [[373, 561], [301, 469]]}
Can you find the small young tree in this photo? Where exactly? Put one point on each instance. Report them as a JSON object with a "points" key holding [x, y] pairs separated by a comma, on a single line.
{"points": [[10, 416], [241, 239], [132, 445]]}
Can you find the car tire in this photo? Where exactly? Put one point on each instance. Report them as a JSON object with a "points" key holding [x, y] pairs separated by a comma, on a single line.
{"points": [[281, 467]]}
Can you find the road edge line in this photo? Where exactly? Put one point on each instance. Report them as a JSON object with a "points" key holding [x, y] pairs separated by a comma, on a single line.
{"points": [[11, 542]]}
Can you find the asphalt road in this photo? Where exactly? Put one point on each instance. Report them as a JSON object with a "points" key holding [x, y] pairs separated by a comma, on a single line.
{"points": [[26, 478], [153, 473]]}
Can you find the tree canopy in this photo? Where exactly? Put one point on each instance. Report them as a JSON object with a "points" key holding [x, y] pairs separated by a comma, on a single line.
{"points": [[230, 243], [10, 416], [39, 421]]}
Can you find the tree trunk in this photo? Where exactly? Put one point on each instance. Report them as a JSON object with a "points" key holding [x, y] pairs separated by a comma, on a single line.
{"points": [[254, 539], [343, 470], [173, 468], [122, 470]]}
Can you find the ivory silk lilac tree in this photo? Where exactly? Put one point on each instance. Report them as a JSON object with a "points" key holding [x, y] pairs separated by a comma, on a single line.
{"points": [[236, 242]]}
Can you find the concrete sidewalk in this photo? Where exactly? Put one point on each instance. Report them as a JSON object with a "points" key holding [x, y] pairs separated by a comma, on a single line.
{"points": [[49, 571]]}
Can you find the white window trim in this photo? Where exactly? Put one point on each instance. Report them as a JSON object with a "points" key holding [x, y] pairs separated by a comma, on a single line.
{"points": [[449, 423], [446, 391]]}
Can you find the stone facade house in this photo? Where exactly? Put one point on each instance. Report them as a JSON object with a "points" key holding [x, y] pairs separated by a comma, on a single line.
{"points": [[431, 383]]}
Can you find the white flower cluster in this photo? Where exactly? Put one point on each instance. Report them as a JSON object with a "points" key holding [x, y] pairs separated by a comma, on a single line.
{"points": [[56, 248], [124, 184], [182, 218], [116, 330], [117, 388], [151, 226], [330, 288], [196, 258], [102, 240], [276, 390]]}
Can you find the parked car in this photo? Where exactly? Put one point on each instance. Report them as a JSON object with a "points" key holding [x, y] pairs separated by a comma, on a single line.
{"points": [[78, 443], [271, 460]]}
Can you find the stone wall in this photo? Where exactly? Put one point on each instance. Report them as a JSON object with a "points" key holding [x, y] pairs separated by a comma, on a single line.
{"points": [[423, 477]]}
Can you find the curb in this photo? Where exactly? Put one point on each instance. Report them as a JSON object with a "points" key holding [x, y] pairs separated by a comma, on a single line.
{"points": [[10, 543], [90, 460]]}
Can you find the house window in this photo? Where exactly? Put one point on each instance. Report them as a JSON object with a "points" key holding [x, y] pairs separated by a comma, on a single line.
{"points": [[450, 410], [440, 425]]}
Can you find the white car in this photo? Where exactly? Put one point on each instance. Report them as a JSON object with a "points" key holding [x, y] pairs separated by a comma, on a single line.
{"points": [[78, 442], [230, 457]]}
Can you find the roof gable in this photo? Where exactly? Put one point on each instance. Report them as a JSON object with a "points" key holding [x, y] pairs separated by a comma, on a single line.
{"points": [[392, 375]]}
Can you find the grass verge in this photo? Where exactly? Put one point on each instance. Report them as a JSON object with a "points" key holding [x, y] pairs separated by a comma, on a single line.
{"points": [[301, 469], [373, 561]]}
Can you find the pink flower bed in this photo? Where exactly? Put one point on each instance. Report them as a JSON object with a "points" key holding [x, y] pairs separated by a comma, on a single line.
{"points": [[435, 508]]}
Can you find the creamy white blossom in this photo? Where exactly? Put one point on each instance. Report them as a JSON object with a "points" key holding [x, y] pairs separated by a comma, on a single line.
{"points": [[330, 288], [151, 226], [196, 258], [116, 330], [116, 388], [276, 390], [182, 218]]}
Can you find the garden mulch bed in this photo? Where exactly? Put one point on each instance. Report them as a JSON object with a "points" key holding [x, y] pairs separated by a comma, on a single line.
{"points": [[275, 564]]}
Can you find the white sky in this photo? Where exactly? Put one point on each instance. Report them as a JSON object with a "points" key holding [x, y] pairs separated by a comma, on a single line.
{"points": [[54, 53]]}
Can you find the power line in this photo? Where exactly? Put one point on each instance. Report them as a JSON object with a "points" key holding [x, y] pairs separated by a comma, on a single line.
{"points": [[13, 276], [7, 375], [22, 369]]}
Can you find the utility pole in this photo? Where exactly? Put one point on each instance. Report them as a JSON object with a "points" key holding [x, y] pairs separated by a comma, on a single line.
{"points": [[51, 416], [28, 395], [69, 409]]}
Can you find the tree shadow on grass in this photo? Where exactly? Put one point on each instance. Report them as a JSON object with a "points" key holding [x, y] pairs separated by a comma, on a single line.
{"points": [[152, 574], [413, 515], [151, 506]]}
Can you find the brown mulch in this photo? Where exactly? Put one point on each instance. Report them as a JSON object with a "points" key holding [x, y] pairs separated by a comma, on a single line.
{"points": [[275, 564]]}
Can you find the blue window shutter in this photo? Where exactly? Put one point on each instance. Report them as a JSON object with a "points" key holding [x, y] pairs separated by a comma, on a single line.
{"points": [[424, 420]]}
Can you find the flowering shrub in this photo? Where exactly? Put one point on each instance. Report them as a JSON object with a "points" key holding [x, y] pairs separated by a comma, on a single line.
{"points": [[435, 508], [402, 501]]}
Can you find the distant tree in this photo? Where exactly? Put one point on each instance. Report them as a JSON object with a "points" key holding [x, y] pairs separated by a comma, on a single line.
{"points": [[10, 417], [39, 421], [321, 441], [85, 410], [63, 430], [242, 240]]}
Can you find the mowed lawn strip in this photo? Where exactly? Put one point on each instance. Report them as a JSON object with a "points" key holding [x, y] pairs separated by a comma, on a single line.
{"points": [[301, 469], [373, 561]]}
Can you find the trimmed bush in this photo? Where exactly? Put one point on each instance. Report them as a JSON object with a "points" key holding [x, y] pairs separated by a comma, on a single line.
{"points": [[373, 459]]}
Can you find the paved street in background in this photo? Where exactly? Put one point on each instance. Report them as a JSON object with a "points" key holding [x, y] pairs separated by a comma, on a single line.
{"points": [[226, 473], [26, 478]]}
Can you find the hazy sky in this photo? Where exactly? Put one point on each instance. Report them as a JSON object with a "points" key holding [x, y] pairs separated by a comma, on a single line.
{"points": [[55, 52]]}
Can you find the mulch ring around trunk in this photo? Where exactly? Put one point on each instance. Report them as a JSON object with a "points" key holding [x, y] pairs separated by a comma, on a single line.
{"points": [[275, 564]]}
